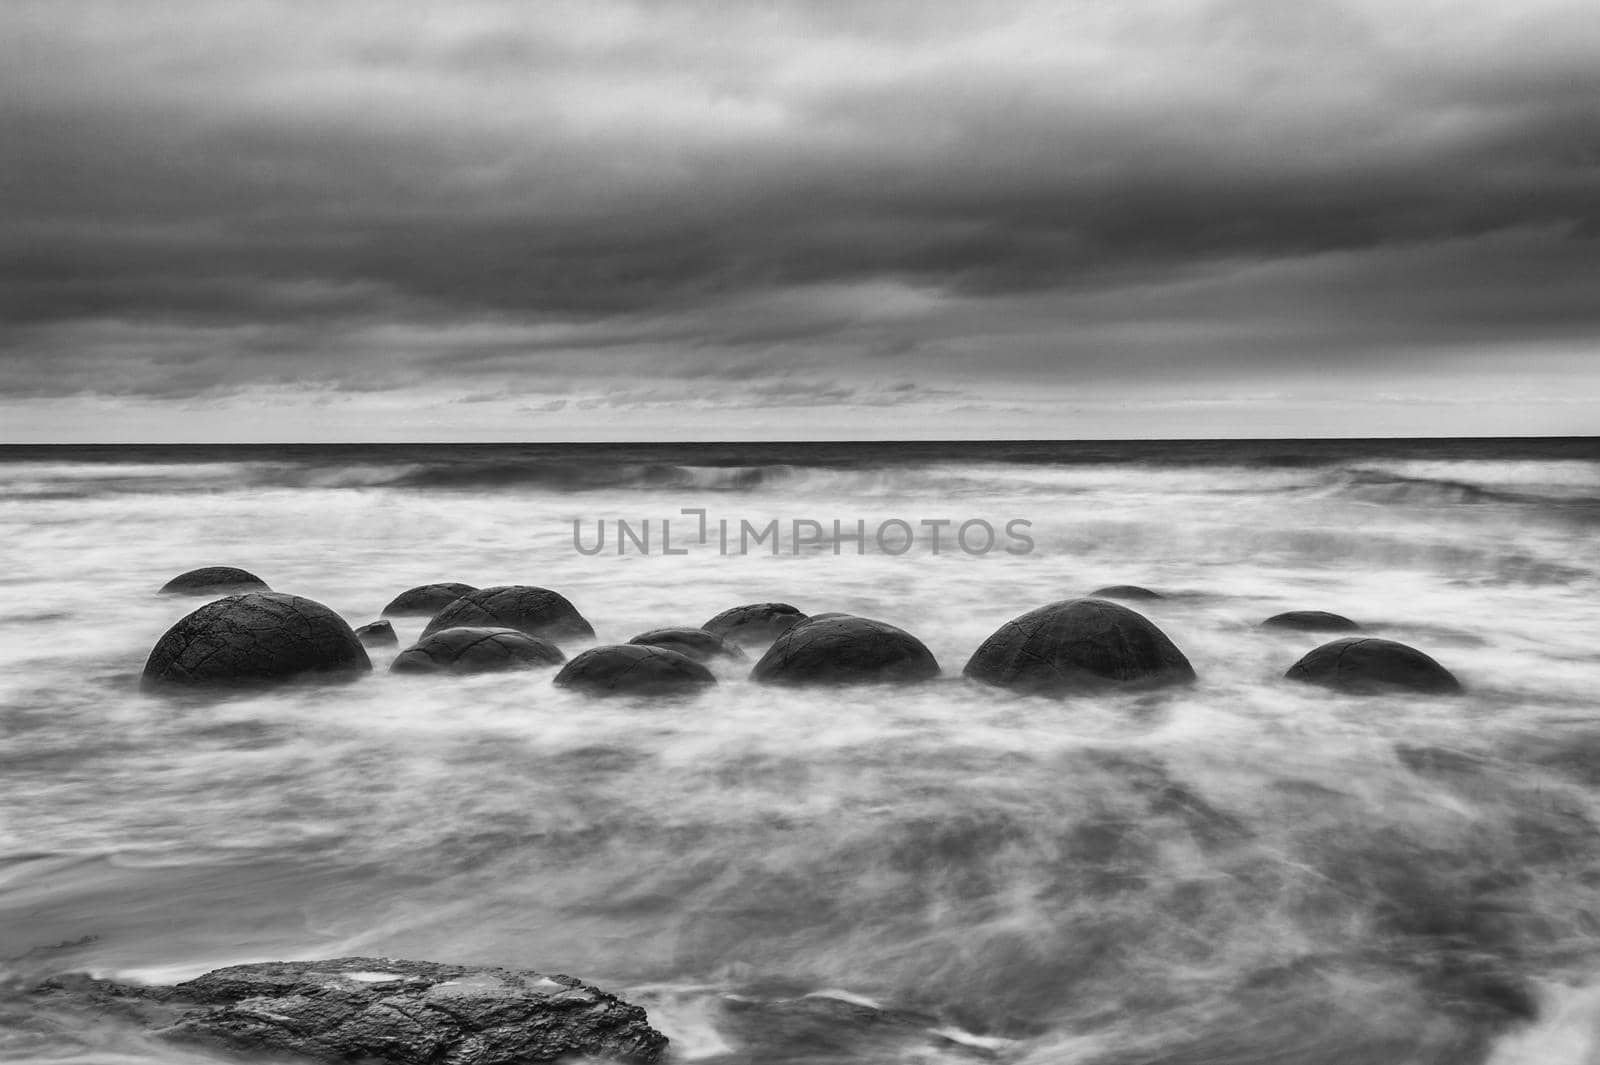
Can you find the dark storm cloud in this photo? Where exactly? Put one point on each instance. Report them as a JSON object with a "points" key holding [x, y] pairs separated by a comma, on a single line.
{"points": [[276, 187]]}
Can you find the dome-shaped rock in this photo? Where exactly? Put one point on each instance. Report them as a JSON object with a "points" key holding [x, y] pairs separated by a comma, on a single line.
{"points": [[1365, 664], [254, 638], [1079, 644], [476, 650], [698, 644], [844, 649], [377, 634], [425, 600], [1124, 591], [535, 611], [1310, 621], [634, 669], [754, 623], [214, 580]]}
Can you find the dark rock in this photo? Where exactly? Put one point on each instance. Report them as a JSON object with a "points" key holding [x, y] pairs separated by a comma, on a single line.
{"points": [[425, 600], [845, 650], [377, 1010], [1365, 664], [698, 644], [754, 623], [535, 611], [1124, 591], [1079, 644], [1311, 621], [633, 669], [377, 634], [254, 638], [214, 580], [476, 650]]}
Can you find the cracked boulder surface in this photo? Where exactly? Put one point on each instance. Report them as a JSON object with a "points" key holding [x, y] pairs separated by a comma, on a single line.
{"points": [[754, 623], [255, 638], [425, 600], [1310, 621], [214, 580], [477, 650], [377, 634], [378, 1010], [1079, 645], [535, 611], [844, 649], [631, 668], [698, 644], [1366, 664]]}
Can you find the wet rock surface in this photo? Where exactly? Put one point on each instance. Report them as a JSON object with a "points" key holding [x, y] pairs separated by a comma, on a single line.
{"points": [[377, 634], [425, 600], [630, 668], [377, 1010], [214, 580], [255, 638], [1311, 621], [476, 650], [754, 623], [1077, 645], [535, 611], [698, 644], [1366, 664], [843, 649]]}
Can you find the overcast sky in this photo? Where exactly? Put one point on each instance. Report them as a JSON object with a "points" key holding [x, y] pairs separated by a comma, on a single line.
{"points": [[1077, 218]]}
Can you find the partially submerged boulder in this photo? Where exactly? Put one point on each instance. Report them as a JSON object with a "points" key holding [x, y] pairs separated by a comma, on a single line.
{"points": [[844, 649], [535, 611], [378, 1010], [1366, 664], [698, 644], [1310, 621], [214, 580], [255, 638], [1076, 645], [425, 600], [1124, 591], [476, 650], [754, 623], [630, 668], [377, 634]]}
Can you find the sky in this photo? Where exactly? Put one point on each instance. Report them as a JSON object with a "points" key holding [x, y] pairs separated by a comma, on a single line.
{"points": [[484, 220]]}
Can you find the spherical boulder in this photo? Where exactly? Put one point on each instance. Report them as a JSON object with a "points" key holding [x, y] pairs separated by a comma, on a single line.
{"points": [[698, 644], [754, 623], [635, 669], [535, 611], [476, 650], [1365, 664], [1310, 621], [1077, 645], [214, 580], [844, 649], [377, 634], [255, 638], [425, 600], [1124, 591]]}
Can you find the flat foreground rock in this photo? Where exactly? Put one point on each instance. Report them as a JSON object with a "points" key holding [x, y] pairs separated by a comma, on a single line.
{"points": [[255, 638], [380, 1010], [1079, 644]]}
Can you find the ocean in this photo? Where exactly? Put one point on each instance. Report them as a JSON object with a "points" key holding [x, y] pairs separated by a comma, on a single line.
{"points": [[1243, 870]]}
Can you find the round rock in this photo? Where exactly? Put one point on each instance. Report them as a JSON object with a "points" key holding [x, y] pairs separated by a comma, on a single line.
{"points": [[255, 638], [214, 580], [1310, 621], [535, 611], [631, 668], [698, 644], [843, 649], [754, 623], [1124, 591], [425, 600], [476, 650], [377, 634], [1077, 645], [1365, 664]]}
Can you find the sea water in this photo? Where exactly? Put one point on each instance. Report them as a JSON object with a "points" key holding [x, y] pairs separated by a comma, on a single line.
{"points": [[1241, 870]]}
